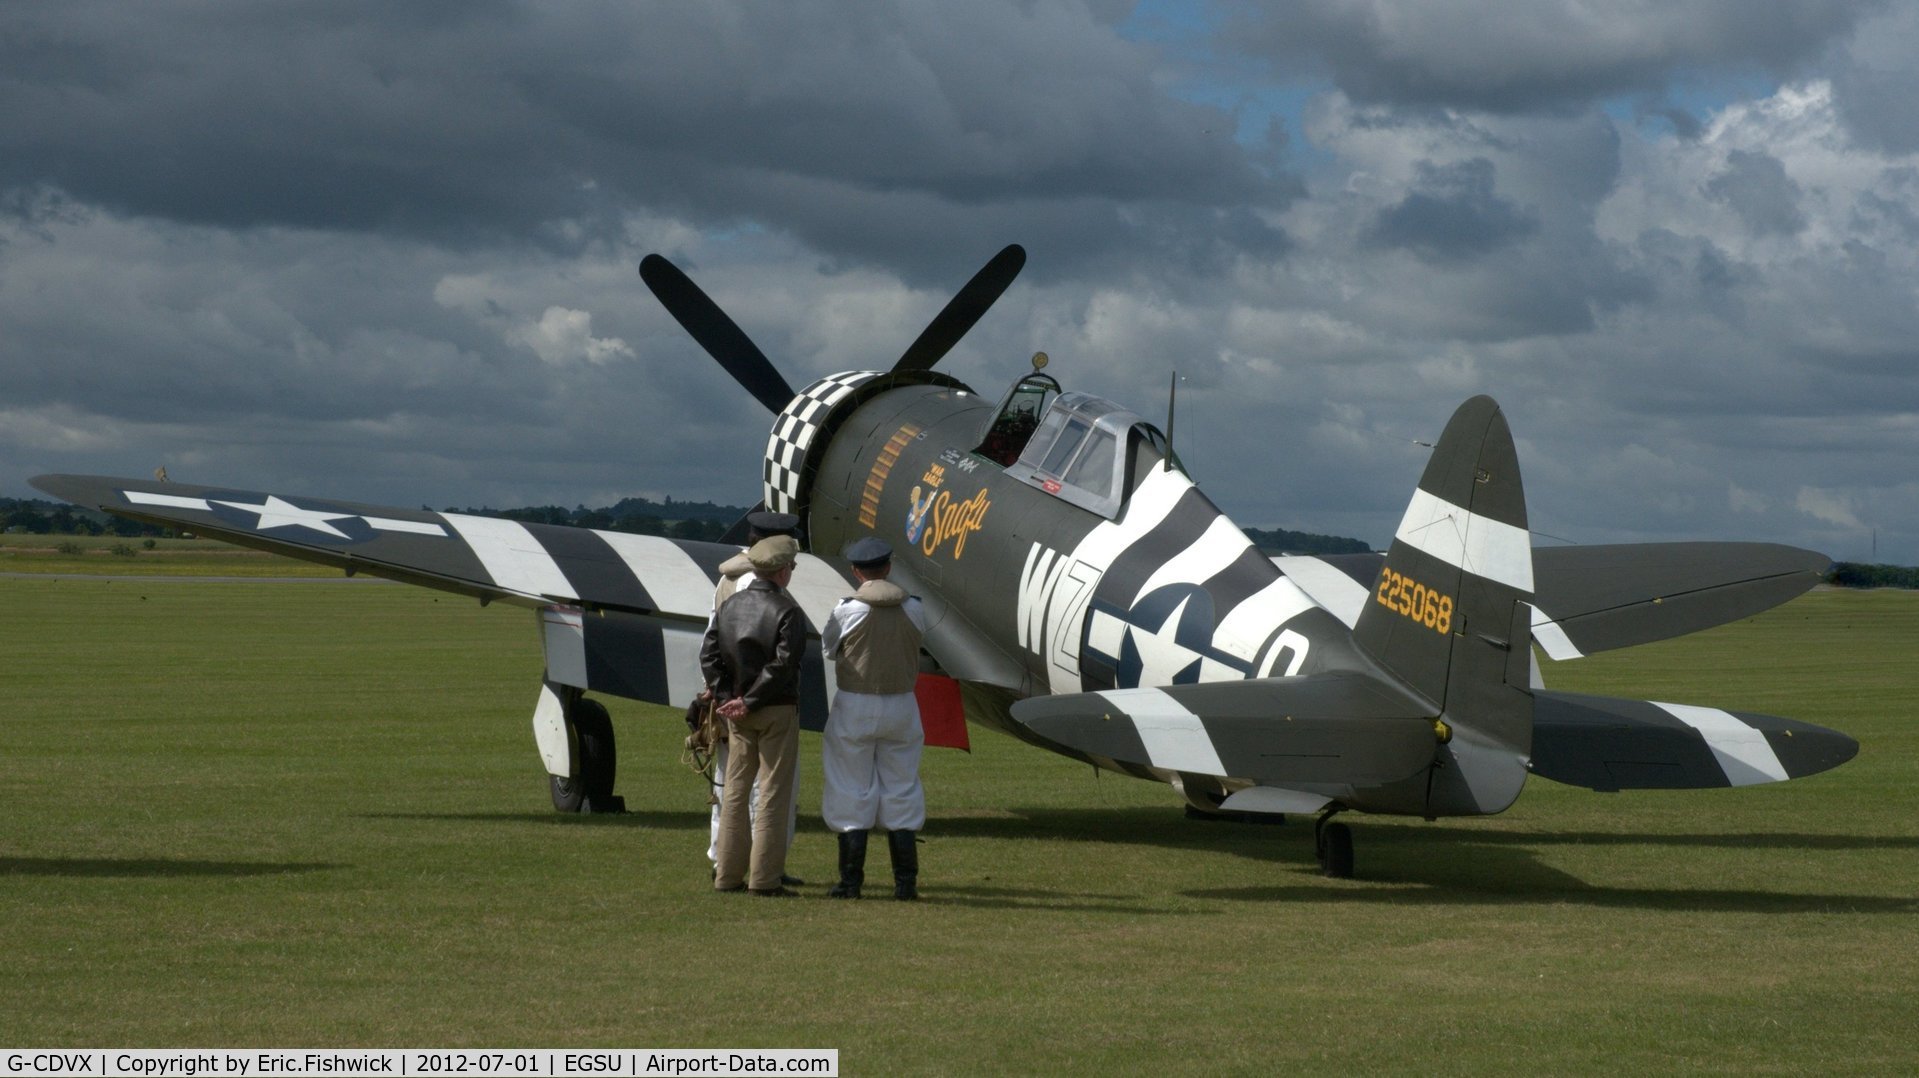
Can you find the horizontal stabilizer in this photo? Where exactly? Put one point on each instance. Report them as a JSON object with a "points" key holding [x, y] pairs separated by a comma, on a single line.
{"points": [[1588, 599], [1595, 598], [1603, 743], [1342, 728]]}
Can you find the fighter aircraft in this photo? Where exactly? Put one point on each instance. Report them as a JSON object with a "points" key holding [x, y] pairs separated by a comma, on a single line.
{"points": [[1086, 597]]}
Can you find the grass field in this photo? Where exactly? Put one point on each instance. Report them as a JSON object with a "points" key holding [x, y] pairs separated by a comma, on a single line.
{"points": [[278, 814], [112, 555]]}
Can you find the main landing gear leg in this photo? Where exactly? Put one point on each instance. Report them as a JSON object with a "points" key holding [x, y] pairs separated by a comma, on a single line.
{"points": [[1334, 844]]}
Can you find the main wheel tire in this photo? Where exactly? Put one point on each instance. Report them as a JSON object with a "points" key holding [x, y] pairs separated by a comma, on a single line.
{"points": [[598, 759], [1336, 851], [592, 789]]}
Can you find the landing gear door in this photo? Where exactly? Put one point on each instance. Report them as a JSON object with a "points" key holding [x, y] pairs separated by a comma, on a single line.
{"points": [[549, 733]]}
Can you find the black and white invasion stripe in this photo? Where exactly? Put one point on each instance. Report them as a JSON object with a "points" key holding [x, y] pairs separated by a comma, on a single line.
{"points": [[1604, 743], [1230, 613]]}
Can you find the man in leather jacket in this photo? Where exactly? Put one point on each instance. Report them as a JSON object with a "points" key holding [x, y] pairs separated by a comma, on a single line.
{"points": [[751, 659], [736, 572]]}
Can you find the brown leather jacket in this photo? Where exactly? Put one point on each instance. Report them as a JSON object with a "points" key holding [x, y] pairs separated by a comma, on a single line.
{"points": [[754, 648]]}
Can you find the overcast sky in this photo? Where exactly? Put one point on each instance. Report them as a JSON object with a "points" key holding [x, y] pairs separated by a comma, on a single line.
{"points": [[386, 251]]}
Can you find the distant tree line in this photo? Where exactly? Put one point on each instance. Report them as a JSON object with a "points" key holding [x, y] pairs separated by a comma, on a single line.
{"points": [[704, 522], [1852, 574], [38, 517], [1281, 541]]}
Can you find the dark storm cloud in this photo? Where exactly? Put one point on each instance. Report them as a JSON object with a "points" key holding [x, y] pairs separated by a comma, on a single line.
{"points": [[1531, 55], [1757, 188], [400, 238], [463, 121], [1876, 81], [1453, 213], [386, 370], [385, 252], [171, 324]]}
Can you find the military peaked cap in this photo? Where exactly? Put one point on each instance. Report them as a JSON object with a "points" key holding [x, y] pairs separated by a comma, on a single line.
{"points": [[869, 552], [763, 523], [773, 553]]}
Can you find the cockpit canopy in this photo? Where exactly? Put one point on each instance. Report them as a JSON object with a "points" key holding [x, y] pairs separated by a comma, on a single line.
{"points": [[1082, 449]]}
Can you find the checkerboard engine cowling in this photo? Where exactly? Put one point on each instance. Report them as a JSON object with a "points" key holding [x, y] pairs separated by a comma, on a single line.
{"points": [[794, 433]]}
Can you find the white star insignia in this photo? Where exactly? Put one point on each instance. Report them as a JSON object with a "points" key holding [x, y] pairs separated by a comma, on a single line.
{"points": [[1161, 655], [279, 513]]}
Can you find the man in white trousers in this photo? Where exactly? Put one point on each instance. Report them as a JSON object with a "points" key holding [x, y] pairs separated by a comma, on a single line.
{"points": [[871, 750]]}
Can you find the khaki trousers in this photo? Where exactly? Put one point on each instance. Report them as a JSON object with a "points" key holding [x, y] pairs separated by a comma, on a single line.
{"points": [[764, 747]]}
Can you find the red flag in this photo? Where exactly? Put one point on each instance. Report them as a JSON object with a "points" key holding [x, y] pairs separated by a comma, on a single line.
{"points": [[942, 715]]}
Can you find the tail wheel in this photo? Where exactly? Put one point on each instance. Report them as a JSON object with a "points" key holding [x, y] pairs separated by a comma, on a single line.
{"points": [[1335, 842], [592, 789]]}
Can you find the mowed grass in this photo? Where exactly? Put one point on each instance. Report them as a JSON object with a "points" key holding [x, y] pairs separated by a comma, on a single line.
{"points": [[112, 555], [278, 814]]}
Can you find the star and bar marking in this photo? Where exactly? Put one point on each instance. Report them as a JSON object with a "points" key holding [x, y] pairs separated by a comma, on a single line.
{"points": [[276, 512]]}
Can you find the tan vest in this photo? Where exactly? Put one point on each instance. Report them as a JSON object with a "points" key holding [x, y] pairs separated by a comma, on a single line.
{"points": [[733, 574], [882, 653]]}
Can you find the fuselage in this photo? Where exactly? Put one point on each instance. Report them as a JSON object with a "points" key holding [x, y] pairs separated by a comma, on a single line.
{"points": [[1033, 592]]}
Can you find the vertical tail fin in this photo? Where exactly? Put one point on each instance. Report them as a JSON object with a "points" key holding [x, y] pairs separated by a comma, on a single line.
{"points": [[1448, 614]]}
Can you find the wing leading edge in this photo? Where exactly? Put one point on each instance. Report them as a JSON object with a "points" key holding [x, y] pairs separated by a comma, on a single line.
{"points": [[487, 558]]}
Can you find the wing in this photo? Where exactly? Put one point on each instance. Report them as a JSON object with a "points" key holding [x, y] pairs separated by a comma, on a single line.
{"points": [[534, 565], [1603, 743], [620, 614], [1336, 728], [1589, 599]]}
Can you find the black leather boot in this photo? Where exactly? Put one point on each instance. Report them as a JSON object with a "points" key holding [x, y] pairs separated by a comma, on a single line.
{"points": [[906, 864], [852, 865]]}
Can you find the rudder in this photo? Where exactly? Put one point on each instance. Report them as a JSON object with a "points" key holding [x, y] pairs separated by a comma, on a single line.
{"points": [[1448, 613]]}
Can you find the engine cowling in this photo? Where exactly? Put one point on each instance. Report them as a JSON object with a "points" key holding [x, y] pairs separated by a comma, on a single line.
{"points": [[807, 423]]}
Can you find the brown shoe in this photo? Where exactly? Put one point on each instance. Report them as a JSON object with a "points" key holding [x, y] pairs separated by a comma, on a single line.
{"points": [[735, 889], [772, 892]]}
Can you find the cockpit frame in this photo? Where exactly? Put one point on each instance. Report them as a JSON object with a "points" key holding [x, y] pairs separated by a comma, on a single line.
{"points": [[1089, 452]]}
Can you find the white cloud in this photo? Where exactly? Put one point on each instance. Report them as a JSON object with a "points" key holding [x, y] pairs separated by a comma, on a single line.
{"points": [[563, 335], [1831, 506], [1741, 500]]}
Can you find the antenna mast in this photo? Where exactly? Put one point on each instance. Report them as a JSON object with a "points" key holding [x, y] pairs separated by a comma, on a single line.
{"points": [[1172, 397]]}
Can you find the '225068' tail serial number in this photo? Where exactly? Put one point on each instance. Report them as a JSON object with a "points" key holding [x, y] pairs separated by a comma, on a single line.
{"points": [[1409, 598]]}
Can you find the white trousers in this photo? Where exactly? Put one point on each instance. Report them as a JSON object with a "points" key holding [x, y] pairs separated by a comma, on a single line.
{"points": [[753, 803], [871, 754]]}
